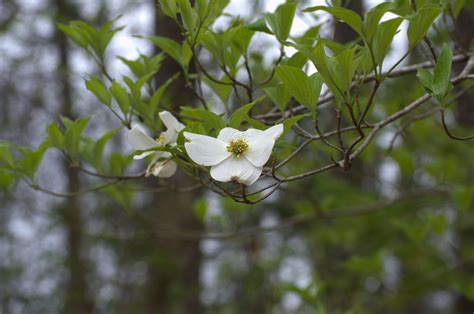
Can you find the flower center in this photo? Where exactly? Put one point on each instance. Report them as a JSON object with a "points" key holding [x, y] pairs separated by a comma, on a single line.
{"points": [[237, 147], [161, 139]]}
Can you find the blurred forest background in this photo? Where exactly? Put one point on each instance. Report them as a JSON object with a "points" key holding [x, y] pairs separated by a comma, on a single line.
{"points": [[399, 237]]}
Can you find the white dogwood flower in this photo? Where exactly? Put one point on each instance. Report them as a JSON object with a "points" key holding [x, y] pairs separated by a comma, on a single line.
{"points": [[138, 139], [234, 155]]}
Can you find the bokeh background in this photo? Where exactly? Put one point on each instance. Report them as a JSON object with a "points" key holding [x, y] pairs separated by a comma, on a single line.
{"points": [[402, 236]]}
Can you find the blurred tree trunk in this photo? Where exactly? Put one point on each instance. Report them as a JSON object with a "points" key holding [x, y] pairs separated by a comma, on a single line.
{"points": [[173, 283], [343, 33], [465, 117], [77, 298]]}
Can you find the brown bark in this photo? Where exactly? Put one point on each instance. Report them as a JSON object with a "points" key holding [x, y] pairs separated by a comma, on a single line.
{"points": [[77, 299], [173, 284], [465, 117], [342, 32]]}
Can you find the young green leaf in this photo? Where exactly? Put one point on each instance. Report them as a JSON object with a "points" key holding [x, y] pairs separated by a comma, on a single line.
{"points": [[383, 38], [337, 71], [349, 17], [281, 20], [6, 158], [72, 137], [259, 26], [290, 122], [222, 90], [157, 97], [30, 160], [342, 68], [320, 61], [75, 34], [121, 96], [304, 89], [98, 148], [169, 8], [279, 95], [105, 33], [426, 78], [55, 135], [209, 119], [421, 22], [180, 53], [99, 90], [242, 113], [188, 14], [441, 73]]}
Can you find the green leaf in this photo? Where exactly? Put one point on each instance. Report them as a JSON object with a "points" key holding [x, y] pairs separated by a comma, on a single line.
{"points": [[169, 46], [350, 17], [421, 22], [297, 60], [157, 97], [209, 119], [55, 135], [259, 26], [169, 7], [343, 67], [222, 90], [373, 17], [242, 39], [304, 89], [290, 122], [336, 71], [241, 114], [441, 73], [383, 38], [200, 208], [279, 95], [215, 10], [320, 61], [93, 40], [30, 160], [75, 34], [366, 264], [121, 96], [98, 148], [6, 179], [117, 163], [105, 34], [6, 157], [180, 53], [426, 78], [463, 197], [213, 42], [309, 37], [438, 223], [72, 137], [281, 20], [99, 90], [144, 65], [188, 14]]}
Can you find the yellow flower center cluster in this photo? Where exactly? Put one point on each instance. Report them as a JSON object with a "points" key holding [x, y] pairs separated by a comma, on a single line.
{"points": [[161, 139], [237, 147]]}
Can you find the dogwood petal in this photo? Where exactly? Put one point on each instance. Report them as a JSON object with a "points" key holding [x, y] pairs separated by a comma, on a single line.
{"points": [[165, 169], [261, 144], [236, 169], [170, 121], [143, 155], [140, 141], [170, 136], [227, 134], [205, 150]]}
